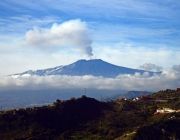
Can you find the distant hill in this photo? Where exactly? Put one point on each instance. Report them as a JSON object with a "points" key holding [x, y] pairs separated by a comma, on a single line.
{"points": [[95, 67], [127, 95]]}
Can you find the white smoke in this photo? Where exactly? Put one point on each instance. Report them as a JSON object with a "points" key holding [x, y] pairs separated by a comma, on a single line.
{"points": [[71, 33]]}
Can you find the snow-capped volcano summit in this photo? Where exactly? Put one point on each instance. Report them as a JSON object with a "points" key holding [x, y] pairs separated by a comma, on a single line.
{"points": [[95, 67]]}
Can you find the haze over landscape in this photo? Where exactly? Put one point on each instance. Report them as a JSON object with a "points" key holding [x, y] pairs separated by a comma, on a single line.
{"points": [[134, 34]]}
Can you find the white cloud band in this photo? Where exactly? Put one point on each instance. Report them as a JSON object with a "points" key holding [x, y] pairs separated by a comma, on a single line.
{"points": [[168, 79], [176, 67], [150, 66]]}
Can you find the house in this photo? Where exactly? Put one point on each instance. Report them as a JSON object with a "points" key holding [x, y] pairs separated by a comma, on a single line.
{"points": [[136, 99], [144, 97], [168, 110], [121, 99], [160, 110], [177, 89], [164, 110]]}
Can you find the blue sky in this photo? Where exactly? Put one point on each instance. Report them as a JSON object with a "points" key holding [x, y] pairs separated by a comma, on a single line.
{"points": [[132, 33]]}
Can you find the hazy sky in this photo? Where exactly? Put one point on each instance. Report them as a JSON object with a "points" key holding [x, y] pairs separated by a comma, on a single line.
{"points": [[132, 33]]}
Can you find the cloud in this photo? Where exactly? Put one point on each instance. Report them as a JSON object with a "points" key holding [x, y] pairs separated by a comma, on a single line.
{"points": [[70, 33], [132, 55], [168, 79], [176, 67], [150, 66]]}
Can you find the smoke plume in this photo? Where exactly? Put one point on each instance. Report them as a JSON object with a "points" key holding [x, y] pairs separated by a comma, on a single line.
{"points": [[73, 33]]}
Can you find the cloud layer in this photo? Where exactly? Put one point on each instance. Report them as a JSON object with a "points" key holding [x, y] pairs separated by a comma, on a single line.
{"points": [[168, 79], [150, 67], [176, 67], [73, 33]]}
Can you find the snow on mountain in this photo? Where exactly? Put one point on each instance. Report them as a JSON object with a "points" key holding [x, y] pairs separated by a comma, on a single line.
{"points": [[95, 67]]}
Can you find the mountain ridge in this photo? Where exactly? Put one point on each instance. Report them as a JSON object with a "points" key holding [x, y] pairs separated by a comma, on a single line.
{"points": [[127, 95], [94, 67]]}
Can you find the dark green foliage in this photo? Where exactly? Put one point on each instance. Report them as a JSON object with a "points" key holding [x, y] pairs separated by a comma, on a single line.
{"points": [[167, 94], [88, 119], [163, 130], [48, 121]]}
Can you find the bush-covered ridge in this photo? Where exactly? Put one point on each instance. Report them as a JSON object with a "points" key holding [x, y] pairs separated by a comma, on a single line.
{"points": [[49, 122], [86, 118]]}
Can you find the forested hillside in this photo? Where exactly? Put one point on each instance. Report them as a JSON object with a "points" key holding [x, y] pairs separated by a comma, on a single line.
{"points": [[86, 118]]}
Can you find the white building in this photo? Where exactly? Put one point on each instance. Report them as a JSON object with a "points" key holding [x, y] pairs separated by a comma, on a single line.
{"points": [[165, 110]]}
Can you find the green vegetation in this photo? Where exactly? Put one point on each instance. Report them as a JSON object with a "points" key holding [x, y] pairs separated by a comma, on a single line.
{"points": [[88, 119]]}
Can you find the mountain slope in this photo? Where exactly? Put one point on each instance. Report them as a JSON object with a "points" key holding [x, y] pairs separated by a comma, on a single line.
{"points": [[95, 67]]}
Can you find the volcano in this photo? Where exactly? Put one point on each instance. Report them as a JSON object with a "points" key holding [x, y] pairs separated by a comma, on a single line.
{"points": [[95, 67]]}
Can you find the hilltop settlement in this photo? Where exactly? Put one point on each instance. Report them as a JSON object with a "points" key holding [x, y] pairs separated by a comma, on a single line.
{"points": [[148, 117]]}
